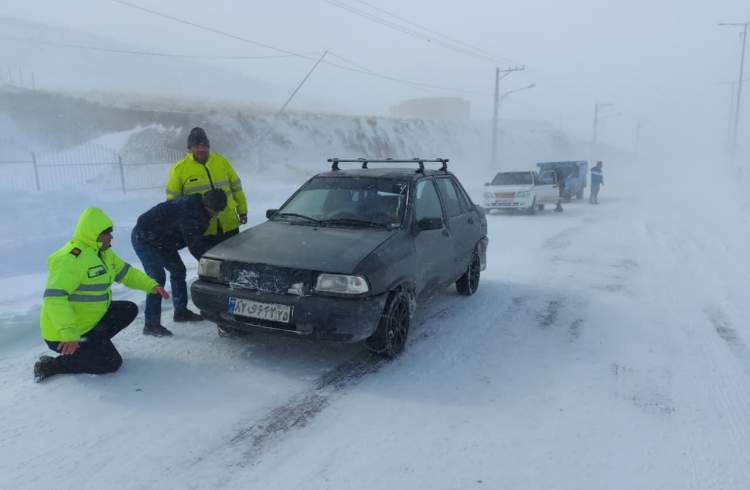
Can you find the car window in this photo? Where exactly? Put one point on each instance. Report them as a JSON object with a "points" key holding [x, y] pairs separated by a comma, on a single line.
{"points": [[512, 178], [450, 197], [463, 198], [547, 178], [379, 201], [427, 204]]}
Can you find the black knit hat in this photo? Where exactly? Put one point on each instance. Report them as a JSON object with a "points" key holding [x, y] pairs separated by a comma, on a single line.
{"points": [[215, 199], [197, 136]]}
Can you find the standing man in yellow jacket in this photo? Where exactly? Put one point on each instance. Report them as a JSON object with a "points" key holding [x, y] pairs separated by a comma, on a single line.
{"points": [[78, 317], [202, 170]]}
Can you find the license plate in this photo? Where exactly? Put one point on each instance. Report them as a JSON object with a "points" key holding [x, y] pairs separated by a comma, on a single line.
{"points": [[261, 311]]}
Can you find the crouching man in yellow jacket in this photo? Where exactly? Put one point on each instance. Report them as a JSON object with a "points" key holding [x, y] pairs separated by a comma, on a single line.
{"points": [[78, 317]]}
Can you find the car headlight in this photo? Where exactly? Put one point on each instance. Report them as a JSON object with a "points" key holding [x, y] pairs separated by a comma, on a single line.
{"points": [[209, 268], [523, 194], [341, 284], [489, 195]]}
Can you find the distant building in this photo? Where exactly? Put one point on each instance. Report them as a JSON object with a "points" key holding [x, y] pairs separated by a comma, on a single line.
{"points": [[451, 108]]}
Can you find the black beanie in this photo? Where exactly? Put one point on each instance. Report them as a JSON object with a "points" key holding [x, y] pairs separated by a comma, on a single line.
{"points": [[215, 199], [197, 137]]}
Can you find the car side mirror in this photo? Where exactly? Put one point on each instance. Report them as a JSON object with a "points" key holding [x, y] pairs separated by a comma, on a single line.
{"points": [[426, 224], [486, 184], [270, 213]]}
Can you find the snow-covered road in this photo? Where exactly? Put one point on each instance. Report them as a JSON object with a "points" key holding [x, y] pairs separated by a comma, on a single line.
{"points": [[607, 347]]}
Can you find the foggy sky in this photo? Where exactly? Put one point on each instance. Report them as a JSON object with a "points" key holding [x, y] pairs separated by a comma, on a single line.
{"points": [[658, 61]]}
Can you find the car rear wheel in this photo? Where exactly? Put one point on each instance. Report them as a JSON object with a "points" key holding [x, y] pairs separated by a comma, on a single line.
{"points": [[390, 337], [468, 283]]}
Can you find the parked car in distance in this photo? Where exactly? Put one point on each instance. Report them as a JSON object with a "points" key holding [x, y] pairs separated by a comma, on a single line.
{"points": [[524, 191], [572, 176], [348, 256]]}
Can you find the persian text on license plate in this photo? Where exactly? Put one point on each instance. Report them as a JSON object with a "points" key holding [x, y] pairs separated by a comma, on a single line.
{"points": [[261, 311]]}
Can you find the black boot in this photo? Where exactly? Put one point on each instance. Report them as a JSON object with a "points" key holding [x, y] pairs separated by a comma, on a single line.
{"points": [[156, 331], [43, 368], [186, 316]]}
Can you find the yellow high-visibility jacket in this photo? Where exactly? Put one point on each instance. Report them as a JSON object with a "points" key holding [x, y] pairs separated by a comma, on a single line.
{"points": [[190, 177], [79, 277]]}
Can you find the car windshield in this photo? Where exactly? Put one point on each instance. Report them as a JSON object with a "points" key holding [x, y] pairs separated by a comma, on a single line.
{"points": [[512, 178], [348, 201]]}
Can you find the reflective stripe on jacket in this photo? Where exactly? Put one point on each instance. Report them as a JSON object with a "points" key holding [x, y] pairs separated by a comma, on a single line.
{"points": [[79, 278], [190, 177]]}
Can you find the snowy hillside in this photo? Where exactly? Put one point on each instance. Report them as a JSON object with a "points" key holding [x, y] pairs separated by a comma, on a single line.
{"points": [[262, 143]]}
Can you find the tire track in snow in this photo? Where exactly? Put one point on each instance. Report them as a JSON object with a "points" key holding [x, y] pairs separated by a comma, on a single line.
{"points": [[725, 394], [251, 441], [730, 401], [726, 331]]}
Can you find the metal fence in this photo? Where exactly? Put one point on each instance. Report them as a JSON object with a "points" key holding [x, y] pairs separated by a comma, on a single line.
{"points": [[94, 165]]}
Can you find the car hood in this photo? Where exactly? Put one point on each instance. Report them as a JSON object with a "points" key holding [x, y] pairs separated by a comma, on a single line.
{"points": [[324, 249], [509, 188]]}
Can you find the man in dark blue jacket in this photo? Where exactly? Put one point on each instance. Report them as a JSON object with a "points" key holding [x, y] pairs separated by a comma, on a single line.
{"points": [[157, 238], [597, 180]]}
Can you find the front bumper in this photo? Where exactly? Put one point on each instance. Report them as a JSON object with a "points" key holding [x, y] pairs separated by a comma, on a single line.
{"points": [[509, 204], [316, 317]]}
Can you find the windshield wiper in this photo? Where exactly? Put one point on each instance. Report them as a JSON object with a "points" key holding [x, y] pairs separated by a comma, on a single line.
{"points": [[354, 222], [295, 215]]}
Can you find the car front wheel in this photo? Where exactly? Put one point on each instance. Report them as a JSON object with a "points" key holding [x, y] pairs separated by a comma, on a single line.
{"points": [[390, 337], [468, 283]]}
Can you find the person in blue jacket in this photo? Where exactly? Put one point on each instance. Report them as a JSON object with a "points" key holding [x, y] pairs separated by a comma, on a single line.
{"points": [[597, 180], [157, 238]]}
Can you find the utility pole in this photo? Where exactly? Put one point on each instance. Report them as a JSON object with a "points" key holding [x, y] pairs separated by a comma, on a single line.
{"points": [[730, 113], [597, 107], [638, 127], [499, 75], [738, 99]]}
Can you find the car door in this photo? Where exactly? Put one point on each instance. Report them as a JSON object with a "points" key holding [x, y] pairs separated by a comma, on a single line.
{"points": [[431, 246], [462, 224], [547, 187]]}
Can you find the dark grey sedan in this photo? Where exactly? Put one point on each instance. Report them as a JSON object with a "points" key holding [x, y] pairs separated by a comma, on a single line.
{"points": [[348, 257]]}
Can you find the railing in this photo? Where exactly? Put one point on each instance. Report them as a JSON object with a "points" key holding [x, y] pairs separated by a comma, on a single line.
{"points": [[88, 165]]}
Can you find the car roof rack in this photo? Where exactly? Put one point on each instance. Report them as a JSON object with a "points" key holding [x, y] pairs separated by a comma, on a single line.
{"points": [[364, 161]]}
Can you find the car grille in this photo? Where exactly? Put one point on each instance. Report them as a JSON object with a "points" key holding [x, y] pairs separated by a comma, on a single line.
{"points": [[267, 279]]}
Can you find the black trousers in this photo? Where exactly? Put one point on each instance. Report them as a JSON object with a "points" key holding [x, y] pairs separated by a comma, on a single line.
{"points": [[97, 353]]}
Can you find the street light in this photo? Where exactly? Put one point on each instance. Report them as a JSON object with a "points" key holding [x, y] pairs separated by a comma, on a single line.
{"points": [[500, 100], [597, 107], [738, 99], [505, 94]]}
